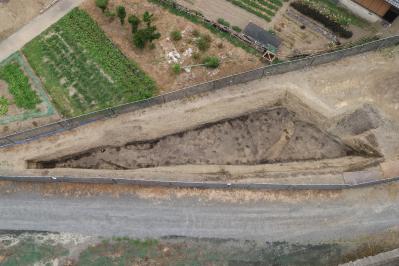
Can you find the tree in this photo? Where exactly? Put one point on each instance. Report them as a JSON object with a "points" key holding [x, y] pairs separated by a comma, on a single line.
{"points": [[142, 36], [134, 21], [102, 4], [147, 18], [121, 12]]}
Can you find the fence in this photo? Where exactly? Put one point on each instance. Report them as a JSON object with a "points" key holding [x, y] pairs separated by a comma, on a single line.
{"points": [[68, 124]]}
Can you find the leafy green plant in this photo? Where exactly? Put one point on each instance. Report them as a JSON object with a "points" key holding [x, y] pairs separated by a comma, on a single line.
{"points": [[142, 36], [121, 12], [223, 22], [3, 106], [176, 69], [102, 4], [176, 35], [147, 18], [84, 71], [211, 62], [135, 22], [237, 29], [23, 94]]}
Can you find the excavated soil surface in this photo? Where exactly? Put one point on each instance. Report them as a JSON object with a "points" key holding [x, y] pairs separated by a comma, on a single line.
{"points": [[272, 135]]}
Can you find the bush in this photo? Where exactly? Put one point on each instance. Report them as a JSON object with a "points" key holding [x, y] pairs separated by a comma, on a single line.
{"points": [[142, 36], [176, 68], [196, 56], [223, 22], [109, 14], [121, 12], [204, 42], [176, 35], [102, 4], [211, 62], [237, 29], [135, 22], [329, 23]]}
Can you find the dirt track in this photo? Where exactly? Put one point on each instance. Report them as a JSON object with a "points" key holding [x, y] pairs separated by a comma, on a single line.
{"points": [[330, 89]]}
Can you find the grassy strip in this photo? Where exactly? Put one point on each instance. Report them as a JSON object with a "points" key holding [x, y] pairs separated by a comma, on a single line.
{"points": [[250, 9], [81, 68], [3, 105], [23, 94], [268, 5], [236, 42]]}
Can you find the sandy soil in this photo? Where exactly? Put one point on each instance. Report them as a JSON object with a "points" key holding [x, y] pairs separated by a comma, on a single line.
{"points": [[16, 13], [265, 136], [155, 62], [332, 89]]}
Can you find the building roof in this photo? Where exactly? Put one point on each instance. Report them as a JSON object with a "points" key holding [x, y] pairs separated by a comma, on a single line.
{"points": [[264, 37], [395, 3]]}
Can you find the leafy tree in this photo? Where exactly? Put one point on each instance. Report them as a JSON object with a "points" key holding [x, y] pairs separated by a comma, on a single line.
{"points": [[147, 18], [121, 12], [102, 4], [135, 22], [142, 36]]}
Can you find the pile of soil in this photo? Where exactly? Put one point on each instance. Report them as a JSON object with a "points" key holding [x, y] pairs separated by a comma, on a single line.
{"points": [[273, 135]]}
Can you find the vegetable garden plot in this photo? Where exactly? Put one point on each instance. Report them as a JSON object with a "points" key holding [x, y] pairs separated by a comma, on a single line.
{"points": [[82, 70], [265, 9]]}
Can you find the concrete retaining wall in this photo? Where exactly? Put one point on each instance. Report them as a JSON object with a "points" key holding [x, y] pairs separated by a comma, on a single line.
{"points": [[68, 124]]}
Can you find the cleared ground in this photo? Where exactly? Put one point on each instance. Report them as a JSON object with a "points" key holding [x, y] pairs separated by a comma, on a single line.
{"points": [[157, 62]]}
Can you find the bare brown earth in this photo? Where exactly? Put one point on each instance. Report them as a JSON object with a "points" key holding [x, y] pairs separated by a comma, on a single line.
{"points": [[16, 13], [155, 61], [331, 96], [273, 135]]}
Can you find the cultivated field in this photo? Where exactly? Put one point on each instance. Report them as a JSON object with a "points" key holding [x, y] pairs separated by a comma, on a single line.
{"points": [[82, 70], [158, 61]]}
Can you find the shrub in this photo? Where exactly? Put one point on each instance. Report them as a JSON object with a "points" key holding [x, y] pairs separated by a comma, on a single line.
{"points": [[237, 29], [3, 106], [211, 62], [147, 18], [142, 36], [121, 12], [176, 35], [223, 22], [102, 4], [109, 14], [204, 42], [196, 56], [176, 68], [329, 23], [135, 22]]}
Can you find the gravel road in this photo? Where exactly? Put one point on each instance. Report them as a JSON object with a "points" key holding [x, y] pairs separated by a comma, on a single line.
{"points": [[347, 215]]}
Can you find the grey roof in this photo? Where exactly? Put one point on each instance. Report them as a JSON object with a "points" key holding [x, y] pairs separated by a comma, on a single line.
{"points": [[395, 3], [262, 36]]}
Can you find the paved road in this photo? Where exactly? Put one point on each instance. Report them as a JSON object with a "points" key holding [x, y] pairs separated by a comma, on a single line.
{"points": [[353, 213], [35, 27]]}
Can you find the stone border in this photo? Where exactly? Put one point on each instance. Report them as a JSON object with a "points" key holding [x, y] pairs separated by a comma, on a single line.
{"points": [[281, 68]]}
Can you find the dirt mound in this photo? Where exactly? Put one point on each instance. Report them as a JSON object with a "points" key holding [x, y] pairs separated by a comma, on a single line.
{"points": [[273, 135]]}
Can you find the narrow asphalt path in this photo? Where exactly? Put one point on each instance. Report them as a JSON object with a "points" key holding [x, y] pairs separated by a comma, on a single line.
{"points": [[16, 41], [351, 214]]}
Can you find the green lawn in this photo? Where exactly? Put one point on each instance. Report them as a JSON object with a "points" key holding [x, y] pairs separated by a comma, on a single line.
{"points": [[19, 87], [82, 70]]}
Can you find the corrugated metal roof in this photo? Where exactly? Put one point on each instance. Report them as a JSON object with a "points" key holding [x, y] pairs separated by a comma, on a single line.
{"points": [[262, 36], [395, 3]]}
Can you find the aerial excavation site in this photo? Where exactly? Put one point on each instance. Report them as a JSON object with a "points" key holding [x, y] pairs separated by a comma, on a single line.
{"points": [[198, 132]]}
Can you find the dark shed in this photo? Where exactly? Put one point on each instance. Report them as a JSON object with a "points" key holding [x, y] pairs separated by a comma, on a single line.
{"points": [[266, 38]]}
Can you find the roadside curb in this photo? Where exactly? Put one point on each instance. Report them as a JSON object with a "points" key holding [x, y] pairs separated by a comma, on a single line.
{"points": [[194, 185]]}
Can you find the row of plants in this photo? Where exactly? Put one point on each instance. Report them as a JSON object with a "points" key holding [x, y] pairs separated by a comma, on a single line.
{"points": [[81, 68], [19, 87], [329, 22], [250, 9], [3, 105], [195, 19], [264, 9]]}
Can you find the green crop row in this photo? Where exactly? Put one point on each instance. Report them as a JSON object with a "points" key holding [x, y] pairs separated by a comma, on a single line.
{"points": [[258, 7], [81, 68], [18, 85], [250, 9]]}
